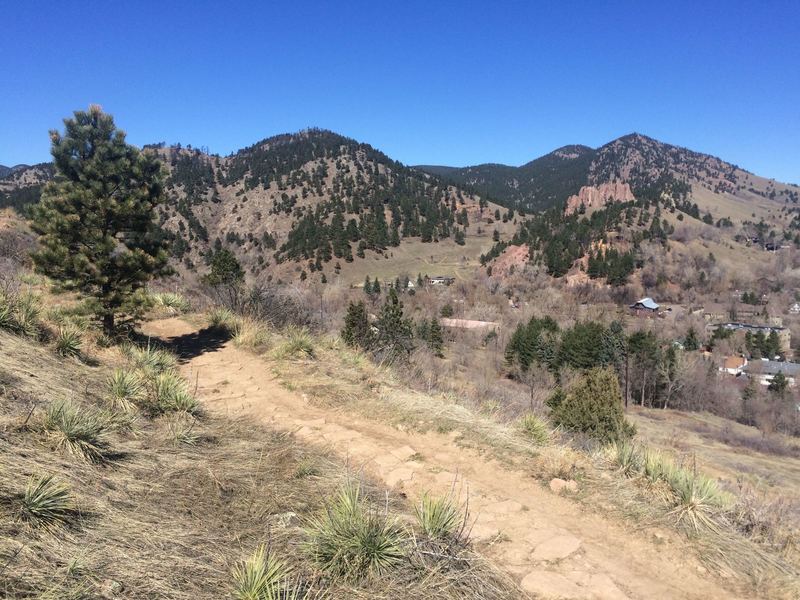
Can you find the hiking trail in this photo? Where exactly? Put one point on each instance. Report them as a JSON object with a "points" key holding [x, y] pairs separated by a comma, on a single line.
{"points": [[548, 543]]}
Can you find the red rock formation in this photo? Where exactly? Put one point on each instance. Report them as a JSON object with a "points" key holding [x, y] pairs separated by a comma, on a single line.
{"points": [[594, 196]]}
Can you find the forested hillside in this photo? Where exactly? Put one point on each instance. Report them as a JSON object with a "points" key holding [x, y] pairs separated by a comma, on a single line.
{"points": [[315, 198], [647, 165]]}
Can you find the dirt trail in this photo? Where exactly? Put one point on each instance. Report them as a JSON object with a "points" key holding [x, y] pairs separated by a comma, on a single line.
{"points": [[552, 547]]}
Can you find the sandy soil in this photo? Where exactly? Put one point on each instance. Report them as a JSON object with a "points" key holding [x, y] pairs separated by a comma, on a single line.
{"points": [[548, 543]]}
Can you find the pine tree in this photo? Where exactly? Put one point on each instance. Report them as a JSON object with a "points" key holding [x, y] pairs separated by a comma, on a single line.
{"points": [[357, 331], [690, 342], [394, 330], [96, 219], [226, 278], [435, 337]]}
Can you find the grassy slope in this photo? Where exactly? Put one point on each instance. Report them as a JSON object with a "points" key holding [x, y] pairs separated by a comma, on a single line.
{"points": [[162, 519]]}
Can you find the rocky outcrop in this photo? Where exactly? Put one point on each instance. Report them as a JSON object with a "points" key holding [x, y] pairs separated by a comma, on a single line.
{"points": [[594, 196], [512, 258]]}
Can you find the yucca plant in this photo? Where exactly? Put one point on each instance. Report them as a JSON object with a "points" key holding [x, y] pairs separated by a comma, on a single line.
{"points": [[181, 430], [69, 341], [353, 541], [28, 311], [169, 393], [657, 466], [171, 302], [250, 334], [79, 431], [46, 502], [222, 318], [699, 499], [125, 389], [150, 359], [535, 429], [260, 577], [298, 341], [6, 312], [439, 518], [628, 456]]}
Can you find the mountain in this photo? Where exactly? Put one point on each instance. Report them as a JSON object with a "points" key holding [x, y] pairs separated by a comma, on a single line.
{"points": [[645, 164], [536, 185], [312, 204], [4, 170]]}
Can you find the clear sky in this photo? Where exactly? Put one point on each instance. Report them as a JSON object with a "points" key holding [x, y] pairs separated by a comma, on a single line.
{"points": [[453, 83]]}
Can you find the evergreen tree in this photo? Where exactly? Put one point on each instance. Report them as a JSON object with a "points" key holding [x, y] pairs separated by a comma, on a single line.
{"points": [[357, 331], [613, 346], [778, 385], [435, 337], [690, 342], [367, 286], [394, 330], [593, 406], [96, 218]]}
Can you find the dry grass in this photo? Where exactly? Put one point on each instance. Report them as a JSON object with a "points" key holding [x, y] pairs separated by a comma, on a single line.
{"points": [[183, 503]]}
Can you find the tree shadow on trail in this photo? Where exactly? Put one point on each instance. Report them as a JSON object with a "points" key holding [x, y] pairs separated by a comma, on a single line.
{"points": [[192, 345]]}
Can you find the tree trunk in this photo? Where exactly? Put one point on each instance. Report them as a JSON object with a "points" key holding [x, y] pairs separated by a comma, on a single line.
{"points": [[108, 323]]}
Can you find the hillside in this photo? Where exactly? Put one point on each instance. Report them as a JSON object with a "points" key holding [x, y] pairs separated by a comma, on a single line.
{"points": [[304, 205], [647, 165]]}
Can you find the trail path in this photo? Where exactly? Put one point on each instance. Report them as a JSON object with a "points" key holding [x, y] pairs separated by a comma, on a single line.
{"points": [[552, 547]]}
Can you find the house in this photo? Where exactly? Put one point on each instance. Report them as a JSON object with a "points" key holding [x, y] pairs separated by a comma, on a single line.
{"points": [[645, 305], [467, 324], [765, 370], [784, 335], [734, 365], [441, 280]]}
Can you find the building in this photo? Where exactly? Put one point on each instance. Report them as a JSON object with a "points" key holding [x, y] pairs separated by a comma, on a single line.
{"points": [[734, 365], [468, 324], [764, 371], [441, 280], [645, 306], [794, 309], [784, 335]]}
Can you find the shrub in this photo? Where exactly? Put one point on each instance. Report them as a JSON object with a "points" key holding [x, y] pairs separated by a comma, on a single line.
{"points": [[150, 359], [439, 518], [535, 429], [593, 405], [250, 334], [169, 393], [222, 318], [181, 430], [353, 541], [171, 302], [699, 499], [260, 577], [28, 311], [6, 313], [69, 341], [47, 502], [77, 430], [628, 457], [20, 313], [298, 341], [125, 389]]}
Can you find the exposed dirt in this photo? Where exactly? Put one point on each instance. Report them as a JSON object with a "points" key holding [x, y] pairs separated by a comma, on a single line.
{"points": [[553, 547]]}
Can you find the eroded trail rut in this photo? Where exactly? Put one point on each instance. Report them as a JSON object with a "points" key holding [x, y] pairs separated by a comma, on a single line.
{"points": [[546, 542]]}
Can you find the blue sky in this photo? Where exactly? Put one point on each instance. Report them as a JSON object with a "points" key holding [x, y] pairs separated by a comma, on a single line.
{"points": [[427, 82]]}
